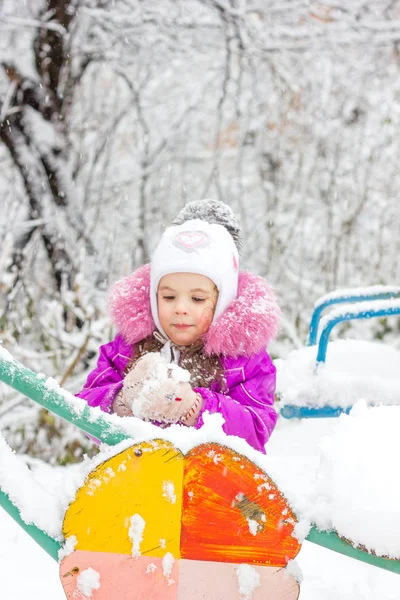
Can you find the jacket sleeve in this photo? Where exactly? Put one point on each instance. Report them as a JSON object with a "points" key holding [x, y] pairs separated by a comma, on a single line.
{"points": [[248, 404], [105, 381]]}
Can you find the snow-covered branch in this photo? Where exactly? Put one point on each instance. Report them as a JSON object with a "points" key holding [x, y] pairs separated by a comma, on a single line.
{"points": [[17, 23]]}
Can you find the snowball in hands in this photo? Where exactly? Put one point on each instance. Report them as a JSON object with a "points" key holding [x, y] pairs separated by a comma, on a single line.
{"points": [[158, 390]]}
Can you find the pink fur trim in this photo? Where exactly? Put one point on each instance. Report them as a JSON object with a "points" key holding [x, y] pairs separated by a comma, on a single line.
{"points": [[249, 323], [245, 328], [129, 305]]}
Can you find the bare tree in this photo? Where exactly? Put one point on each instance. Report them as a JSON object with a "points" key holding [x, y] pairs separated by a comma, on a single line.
{"points": [[115, 112], [30, 102]]}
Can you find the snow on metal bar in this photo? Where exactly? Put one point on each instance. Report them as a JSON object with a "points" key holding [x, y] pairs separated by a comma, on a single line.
{"points": [[349, 312], [49, 544], [34, 502], [330, 540], [48, 394], [359, 293], [362, 294]]}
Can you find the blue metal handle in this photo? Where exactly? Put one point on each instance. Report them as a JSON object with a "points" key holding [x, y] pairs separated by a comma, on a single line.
{"points": [[380, 292], [291, 411], [351, 314]]}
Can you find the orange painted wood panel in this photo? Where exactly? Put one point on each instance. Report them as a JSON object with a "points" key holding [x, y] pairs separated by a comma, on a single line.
{"points": [[233, 512]]}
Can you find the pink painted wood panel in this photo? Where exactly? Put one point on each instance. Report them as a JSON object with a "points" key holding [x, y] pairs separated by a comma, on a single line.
{"points": [[124, 577], [206, 580]]}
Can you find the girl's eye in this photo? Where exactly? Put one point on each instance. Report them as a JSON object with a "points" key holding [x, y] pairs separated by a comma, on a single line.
{"points": [[198, 299], [168, 297]]}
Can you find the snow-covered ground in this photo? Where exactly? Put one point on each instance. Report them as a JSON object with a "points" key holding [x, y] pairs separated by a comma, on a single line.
{"points": [[27, 571]]}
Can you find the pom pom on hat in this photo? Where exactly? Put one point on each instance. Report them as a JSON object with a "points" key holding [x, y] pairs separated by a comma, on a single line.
{"points": [[212, 211], [197, 246]]}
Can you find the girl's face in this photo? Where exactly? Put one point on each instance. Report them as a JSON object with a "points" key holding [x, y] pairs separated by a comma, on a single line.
{"points": [[186, 305]]}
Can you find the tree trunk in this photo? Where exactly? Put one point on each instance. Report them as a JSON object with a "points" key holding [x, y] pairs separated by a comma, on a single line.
{"points": [[42, 167]]}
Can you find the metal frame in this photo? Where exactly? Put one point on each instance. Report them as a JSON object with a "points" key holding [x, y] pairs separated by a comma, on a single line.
{"points": [[388, 304], [387, 308], [378, 292]]}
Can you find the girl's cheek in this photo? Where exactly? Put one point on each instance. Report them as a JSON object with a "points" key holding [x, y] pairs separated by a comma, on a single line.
{"points": [[206, 319]]}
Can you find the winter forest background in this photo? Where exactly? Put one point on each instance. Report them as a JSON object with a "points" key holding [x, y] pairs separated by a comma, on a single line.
{"points": [[115, 113]]}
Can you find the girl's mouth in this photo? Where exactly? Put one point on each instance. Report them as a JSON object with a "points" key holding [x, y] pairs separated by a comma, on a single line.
{"points": [[181, 326]]}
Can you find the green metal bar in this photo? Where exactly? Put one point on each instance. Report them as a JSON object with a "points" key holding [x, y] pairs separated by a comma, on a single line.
{"points": [[330, 540], [49, 544], [56, 401], [35, 387]]}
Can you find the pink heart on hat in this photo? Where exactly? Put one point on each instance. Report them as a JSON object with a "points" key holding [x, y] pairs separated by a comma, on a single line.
{"points": [[191, 240]]}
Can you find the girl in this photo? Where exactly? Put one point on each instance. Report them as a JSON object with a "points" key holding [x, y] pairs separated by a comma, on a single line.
{"points": [[192, 333]]}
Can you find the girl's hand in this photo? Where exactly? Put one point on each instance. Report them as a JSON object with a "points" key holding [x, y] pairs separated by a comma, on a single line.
{"points": [[148, 373], [120, 406], [158, 391], [167, 402], [191, 417]]}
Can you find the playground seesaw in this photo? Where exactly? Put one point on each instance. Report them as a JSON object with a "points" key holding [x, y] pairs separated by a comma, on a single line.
{"points": [[163, 522]]}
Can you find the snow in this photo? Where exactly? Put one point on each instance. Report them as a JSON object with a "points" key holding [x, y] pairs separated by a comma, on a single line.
{"points": [[136, 529], [4, 354], [350, 493], [151, 568], [169, 491], [167, 564], [293, 569], [88, 581], [249, 579], [357, 291], [374, 304], [353, 370], [253, 526], [68, 547], [391, 306], [34, 501], [339, 473]]}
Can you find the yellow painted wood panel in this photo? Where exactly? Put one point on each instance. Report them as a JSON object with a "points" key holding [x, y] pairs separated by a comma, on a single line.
{"points": [[138, 491]]}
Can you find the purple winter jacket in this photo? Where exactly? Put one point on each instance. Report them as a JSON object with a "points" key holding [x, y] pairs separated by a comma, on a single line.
{"points": [[240, 335]]}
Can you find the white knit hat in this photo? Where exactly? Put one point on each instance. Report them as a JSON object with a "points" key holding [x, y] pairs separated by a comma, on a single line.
{"points": [[197, 247]]}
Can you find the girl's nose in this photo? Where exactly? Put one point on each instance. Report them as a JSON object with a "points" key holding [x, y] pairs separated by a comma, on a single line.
{"points": [[181, 308]]}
